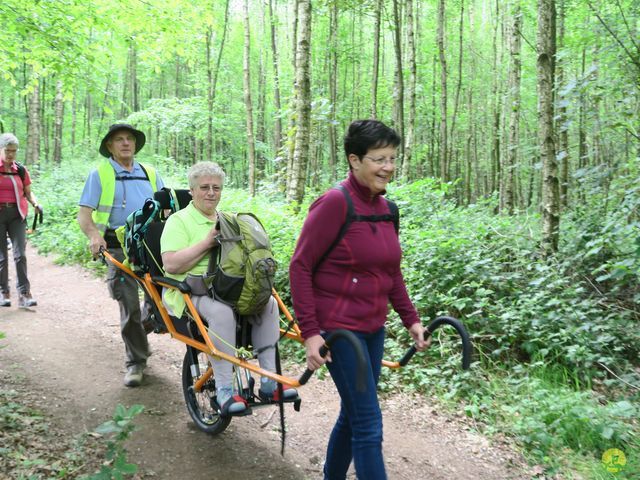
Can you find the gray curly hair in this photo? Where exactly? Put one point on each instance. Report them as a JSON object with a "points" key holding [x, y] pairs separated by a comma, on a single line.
{"points": [[201, 169], [7, 139]]}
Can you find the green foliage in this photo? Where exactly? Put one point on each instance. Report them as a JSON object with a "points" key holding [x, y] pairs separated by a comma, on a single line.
{"points": [[536, 405], [58, 191], [118, 430]]}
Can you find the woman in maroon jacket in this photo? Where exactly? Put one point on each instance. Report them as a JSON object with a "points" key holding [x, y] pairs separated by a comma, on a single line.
{"points": [[349, 285]]}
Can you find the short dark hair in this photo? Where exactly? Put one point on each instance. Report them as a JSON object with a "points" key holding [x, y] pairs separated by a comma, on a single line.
{"points": [[364, 135]]}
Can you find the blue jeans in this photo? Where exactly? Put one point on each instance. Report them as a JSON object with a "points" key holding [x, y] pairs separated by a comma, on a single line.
{"points": [[357, 433]]}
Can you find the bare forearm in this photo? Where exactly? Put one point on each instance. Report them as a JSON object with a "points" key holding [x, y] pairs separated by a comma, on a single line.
{"points": [[87, 224], [184, 260]]}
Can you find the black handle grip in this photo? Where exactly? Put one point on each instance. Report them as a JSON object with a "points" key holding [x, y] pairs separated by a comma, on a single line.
{"points": [[37, 215], [464, 337], [357, 347]]}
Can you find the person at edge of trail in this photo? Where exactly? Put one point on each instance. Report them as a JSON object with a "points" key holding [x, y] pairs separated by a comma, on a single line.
{"points": [[15, 194], [350, 287], [186, 243], [116, 188]]}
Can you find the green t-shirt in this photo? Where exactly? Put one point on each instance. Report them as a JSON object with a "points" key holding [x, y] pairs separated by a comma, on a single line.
{"points": [[183, 229]]}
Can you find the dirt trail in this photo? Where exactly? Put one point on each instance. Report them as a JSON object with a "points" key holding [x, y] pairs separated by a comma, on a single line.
{"points": [[69, 350]]}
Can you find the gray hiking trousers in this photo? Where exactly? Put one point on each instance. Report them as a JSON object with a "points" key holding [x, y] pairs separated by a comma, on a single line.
{"points": [[124, 289], [13, 225], [222, 331]]}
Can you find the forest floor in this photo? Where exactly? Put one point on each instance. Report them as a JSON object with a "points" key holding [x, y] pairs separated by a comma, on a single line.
{"points": [[64, 359]]}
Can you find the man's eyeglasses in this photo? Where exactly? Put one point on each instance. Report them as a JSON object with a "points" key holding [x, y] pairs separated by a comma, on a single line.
{"points": [[382, 160]]}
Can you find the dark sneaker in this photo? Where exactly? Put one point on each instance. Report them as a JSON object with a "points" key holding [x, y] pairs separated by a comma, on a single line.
{"points": [[5, 301], [236, 406], [288, 395], [26, 301], [133, 377]]}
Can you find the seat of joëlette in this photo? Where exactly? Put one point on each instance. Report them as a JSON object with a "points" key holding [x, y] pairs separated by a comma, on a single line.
{"points": [[170, 201]]}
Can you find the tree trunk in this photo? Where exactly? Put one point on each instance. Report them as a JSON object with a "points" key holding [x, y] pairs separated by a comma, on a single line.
{"points": [[44, 120], [295, 192], [177, 77], [292, 134], [333, 91], [510, 160], [74, 114], [277, 121], [497, 107], [434, 166], [212, 77], [456, 100], [376, 59], [444, 166], [582, 133], [399, 85], [88, 108], [260, 119], [251, 147], [33, 126], [563, 120], [411, 93], [546, 50], [134, 85], [58, 119]]}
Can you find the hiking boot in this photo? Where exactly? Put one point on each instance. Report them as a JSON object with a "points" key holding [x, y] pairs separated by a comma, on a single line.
{"points": [[5, 300], [26, 301], [133, 377]]}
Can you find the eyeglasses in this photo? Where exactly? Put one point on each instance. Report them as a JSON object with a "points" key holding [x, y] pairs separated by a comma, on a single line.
{"points": [[210, 188], [11, 150], [382, 160]]}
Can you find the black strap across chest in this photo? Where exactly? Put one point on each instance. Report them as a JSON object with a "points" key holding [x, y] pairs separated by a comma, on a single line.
{"points": [[122, 178], [20, 172], [392, 216]]}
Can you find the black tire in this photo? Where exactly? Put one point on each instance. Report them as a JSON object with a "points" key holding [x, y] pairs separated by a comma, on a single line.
{"points": [[200, 404]]}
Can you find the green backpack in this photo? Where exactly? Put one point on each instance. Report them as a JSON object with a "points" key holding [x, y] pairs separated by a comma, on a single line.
{"points": [[242, 269]]}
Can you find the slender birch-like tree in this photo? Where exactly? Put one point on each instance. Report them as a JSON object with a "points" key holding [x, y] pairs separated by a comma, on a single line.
{"points": [[251, 144], [546, 50], [297, 175]]}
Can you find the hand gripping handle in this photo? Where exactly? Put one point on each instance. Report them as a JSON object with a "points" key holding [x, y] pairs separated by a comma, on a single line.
{"points": [[357, 347], [464, 337]]}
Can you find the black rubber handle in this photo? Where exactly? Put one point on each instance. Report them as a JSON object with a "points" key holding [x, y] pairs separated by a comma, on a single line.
{"points": [[357, 347], [38, 215], [464, 337]]}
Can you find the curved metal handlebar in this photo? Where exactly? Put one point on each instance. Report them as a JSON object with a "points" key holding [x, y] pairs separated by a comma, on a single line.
{"points": [[464, 337], [357, 347]]}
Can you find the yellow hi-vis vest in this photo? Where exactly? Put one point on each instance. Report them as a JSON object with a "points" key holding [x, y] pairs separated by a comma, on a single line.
{"points": [[107, 176]]}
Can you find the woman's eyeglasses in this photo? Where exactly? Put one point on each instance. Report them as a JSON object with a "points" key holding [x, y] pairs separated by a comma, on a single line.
{"points": [[382, 160]]}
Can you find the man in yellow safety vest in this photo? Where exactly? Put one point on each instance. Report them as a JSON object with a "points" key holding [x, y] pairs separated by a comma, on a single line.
{"points": [[119, 186]]}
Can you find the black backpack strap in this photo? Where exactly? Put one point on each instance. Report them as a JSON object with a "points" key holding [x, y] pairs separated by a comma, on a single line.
{"points": [[21, 171], [146, 176], [395, 214], [392, 216], [345, 226]]}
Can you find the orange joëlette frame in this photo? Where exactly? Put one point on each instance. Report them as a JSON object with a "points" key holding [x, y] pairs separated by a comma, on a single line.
{"points": [[150, 286], [293, 332]]}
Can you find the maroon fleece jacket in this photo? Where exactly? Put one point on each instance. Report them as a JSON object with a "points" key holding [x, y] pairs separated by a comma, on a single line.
{"points": [[353, 286]]}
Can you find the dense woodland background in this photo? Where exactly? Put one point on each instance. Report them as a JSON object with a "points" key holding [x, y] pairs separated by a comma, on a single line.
{"points": [[518, 179]]}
